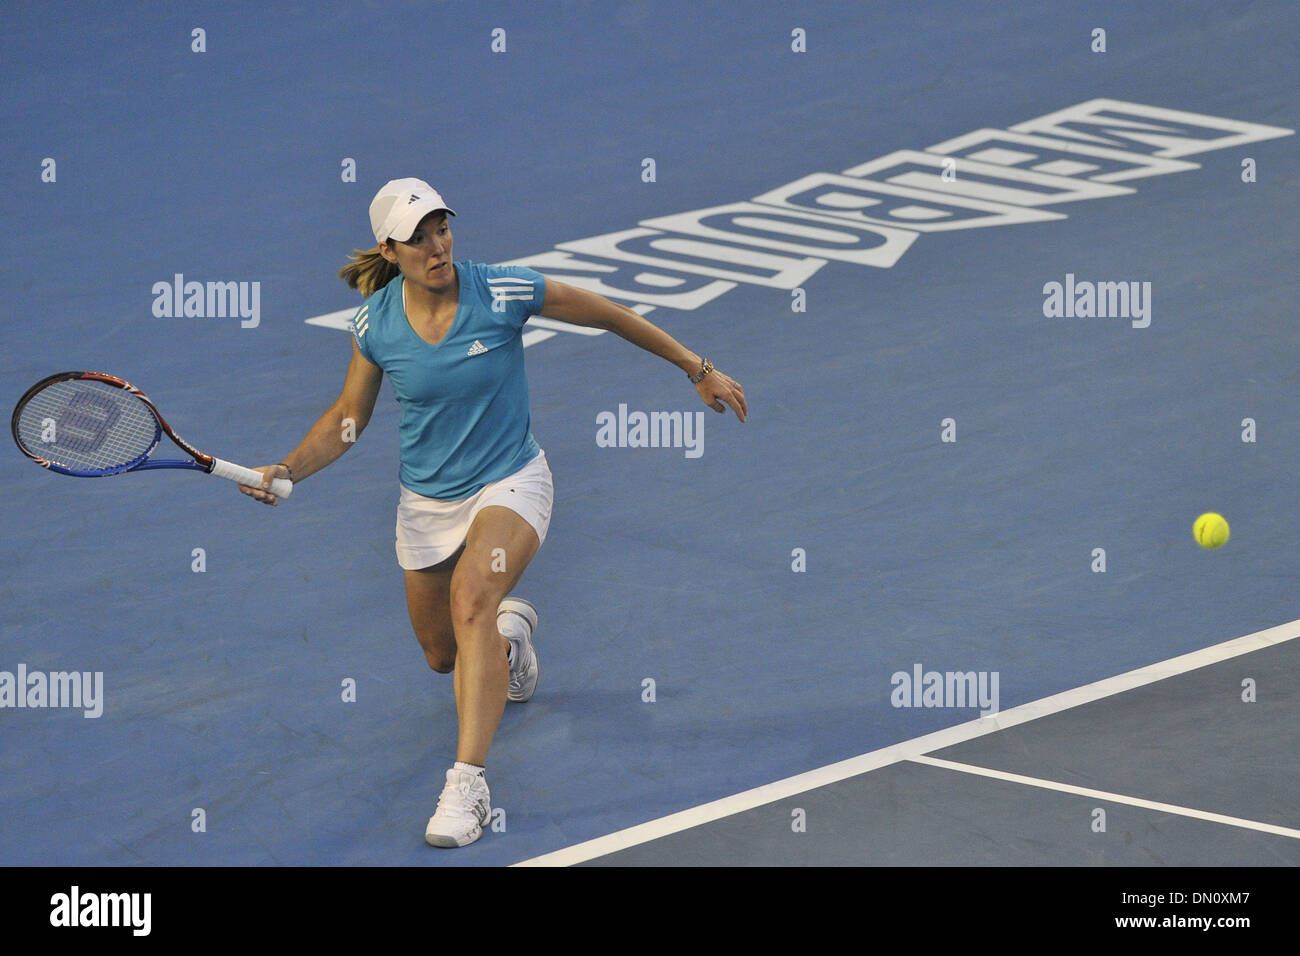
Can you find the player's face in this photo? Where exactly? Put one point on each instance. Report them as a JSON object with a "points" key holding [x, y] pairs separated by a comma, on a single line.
{"points": [[425, 257]]}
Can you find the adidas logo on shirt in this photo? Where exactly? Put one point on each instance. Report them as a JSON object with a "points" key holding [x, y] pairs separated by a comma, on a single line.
{"points": [[478, 348]]}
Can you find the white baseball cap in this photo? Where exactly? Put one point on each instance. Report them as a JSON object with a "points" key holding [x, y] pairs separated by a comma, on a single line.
{"points": [[400, 205]]}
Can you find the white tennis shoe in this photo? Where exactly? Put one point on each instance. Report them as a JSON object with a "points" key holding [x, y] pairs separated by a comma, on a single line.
{"points": [[464, 807], [519, 630]]}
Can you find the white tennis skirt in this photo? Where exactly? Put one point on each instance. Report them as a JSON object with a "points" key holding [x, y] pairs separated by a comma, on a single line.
{"points": [[430, 531]]}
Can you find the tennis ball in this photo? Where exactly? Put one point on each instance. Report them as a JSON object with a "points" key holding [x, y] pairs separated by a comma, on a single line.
{"points": [[1210, 530]]}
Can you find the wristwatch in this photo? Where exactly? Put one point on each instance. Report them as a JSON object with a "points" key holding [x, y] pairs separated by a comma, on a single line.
{"points": [[699, 376]]}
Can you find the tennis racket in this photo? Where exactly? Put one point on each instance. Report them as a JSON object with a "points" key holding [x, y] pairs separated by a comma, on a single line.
{"points": [[89, 425]]}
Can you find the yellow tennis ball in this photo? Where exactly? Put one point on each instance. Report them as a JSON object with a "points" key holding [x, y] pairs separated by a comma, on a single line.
{"points": [[1210, 530]]}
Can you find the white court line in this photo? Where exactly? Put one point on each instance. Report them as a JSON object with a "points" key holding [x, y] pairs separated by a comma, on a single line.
{"points": [[1107, 796], [832, 773]]}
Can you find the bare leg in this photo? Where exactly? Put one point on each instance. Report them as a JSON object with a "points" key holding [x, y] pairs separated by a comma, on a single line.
{"points": [[499, 546], [428, 601]]}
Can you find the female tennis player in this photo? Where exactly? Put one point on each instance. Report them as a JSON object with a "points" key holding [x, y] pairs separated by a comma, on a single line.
{"points": [[475, 489]]}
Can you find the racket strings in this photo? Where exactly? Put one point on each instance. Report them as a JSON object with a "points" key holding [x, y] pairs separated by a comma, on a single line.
{"points": [[86, 425]]}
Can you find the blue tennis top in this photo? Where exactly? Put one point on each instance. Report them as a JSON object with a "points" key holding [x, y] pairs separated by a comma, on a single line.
{"points": [[465, 415]]}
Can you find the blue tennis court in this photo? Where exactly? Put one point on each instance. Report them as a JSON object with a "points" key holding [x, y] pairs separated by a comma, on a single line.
{"points": [[1010, 310]]}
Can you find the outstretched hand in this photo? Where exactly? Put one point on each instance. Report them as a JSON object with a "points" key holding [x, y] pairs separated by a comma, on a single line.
{"points": [[717, 388]]}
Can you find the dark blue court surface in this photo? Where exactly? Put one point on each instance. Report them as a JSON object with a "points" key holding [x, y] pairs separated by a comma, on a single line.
{"points": [[1168, 773], [929, 470]]}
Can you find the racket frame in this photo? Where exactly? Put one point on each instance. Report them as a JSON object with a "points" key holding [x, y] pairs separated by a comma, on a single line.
{"points": [[200, 462]]}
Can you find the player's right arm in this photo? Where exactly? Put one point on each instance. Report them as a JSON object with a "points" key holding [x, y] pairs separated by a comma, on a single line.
{"points": [[334, 432]]}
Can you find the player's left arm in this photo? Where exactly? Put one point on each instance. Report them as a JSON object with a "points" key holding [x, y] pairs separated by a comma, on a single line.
{"points": [[579, 307]]}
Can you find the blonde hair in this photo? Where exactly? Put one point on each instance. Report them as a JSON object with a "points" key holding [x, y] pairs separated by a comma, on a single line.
{"points": [[369, 271]]}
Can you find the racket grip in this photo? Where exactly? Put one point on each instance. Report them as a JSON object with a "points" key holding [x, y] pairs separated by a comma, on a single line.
{"points": [[280, 487]]}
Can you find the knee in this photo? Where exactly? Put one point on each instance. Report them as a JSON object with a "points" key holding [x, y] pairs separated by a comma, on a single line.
{"points": [[472, 602], [439, 646], [442, 663]]}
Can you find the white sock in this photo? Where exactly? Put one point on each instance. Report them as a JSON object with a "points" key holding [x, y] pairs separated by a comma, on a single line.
{"points": [[469, 768]]}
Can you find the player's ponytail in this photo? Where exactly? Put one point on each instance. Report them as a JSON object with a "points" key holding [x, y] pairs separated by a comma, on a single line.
{"points": [[369, 271]]}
